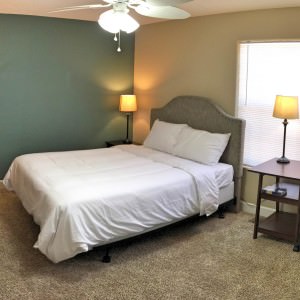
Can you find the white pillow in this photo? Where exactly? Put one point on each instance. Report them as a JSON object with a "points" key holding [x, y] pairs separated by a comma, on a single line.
{"points": [[201, 146], [163, 136]]}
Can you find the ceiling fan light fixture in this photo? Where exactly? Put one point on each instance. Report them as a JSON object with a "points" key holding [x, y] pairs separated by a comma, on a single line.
{"points": [[128, 24], [108, 22], [114, 21]]}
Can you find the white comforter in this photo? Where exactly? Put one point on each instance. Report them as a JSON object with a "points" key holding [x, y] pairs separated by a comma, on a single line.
{"points": [[86, 198]]}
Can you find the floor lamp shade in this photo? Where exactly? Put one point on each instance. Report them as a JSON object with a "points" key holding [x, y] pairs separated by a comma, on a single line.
{"points": [[128, 105], [286, 107]]}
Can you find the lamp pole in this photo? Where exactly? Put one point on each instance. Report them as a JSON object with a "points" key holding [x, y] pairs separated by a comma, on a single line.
{"points": [[283, 159], [127, 137]]}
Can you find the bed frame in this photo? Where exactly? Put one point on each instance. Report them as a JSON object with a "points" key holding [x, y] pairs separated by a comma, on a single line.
{"points": [[202, 113]]}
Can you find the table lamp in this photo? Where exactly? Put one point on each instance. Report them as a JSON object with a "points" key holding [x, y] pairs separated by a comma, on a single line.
{"points": [[128, 105], [286, 107]]}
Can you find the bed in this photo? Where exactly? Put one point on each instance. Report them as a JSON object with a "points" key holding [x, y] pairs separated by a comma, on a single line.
{"points": [[87, 198]]}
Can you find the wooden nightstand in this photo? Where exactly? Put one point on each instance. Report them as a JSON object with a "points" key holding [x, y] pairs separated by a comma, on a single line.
{"points": [[116, 142], [280, 224]]}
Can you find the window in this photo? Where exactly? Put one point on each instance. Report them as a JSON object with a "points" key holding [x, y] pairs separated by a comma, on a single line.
{"points": [[265, 70]]}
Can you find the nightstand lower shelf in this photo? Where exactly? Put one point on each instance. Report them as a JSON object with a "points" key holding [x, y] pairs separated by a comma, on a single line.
{"points": [[280, 225]]}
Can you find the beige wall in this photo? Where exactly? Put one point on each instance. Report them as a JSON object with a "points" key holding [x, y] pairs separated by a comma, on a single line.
{"points": [[198, 56]]}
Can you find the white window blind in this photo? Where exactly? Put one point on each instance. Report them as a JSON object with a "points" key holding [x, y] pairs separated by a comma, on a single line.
{"points": [[266, 70]]}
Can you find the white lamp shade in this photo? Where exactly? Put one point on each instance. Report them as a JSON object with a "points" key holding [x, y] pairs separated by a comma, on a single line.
{"points": [[128, 103], [114, 21], [107, 22], [286, 107], [128, 24]]}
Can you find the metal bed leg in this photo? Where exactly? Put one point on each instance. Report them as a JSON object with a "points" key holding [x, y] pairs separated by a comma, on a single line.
{"points": [[106, 258], [224, 207], [221, 211]]}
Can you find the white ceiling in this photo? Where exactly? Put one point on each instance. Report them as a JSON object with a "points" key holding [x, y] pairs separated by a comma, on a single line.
{"points": [[195, 7]]}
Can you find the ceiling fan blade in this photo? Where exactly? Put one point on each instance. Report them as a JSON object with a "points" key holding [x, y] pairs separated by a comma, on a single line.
{"points": [[166, 2], [162, 12], [79, 7]]}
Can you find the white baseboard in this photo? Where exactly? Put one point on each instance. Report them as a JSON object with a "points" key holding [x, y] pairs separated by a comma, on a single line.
{"points": [[250, 209]]}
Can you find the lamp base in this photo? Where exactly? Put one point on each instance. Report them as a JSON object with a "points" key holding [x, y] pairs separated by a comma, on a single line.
{"points": [[283, 160]]}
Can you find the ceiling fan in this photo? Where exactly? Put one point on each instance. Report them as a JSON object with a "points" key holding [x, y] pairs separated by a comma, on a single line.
{"points": [[117, 18]]}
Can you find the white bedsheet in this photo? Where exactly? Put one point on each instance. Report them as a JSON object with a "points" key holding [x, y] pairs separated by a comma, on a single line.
{"points": [[223, 172], [86, 198]]}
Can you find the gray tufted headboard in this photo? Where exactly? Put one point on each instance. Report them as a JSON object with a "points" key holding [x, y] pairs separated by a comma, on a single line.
{"points": [[201, 113]]}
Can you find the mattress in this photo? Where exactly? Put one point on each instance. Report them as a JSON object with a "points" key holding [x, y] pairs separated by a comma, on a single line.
{"points": [[87, 198]]}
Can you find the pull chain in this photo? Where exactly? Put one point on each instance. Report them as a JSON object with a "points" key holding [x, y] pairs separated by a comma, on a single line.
{"points": [[116, 39], [119, 45]]}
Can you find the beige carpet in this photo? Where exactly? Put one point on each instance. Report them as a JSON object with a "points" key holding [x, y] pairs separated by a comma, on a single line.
{"points": [[202, 259]]}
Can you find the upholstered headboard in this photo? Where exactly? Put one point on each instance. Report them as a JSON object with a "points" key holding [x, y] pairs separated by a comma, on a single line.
{"points": [[202, 113]]}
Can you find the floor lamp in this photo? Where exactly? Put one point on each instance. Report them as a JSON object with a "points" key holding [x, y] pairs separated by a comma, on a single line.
{"points": [[286, 107], [128, 105]]}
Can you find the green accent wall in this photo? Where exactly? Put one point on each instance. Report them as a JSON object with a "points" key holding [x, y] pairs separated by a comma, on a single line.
{"points": [[60, 82]]}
